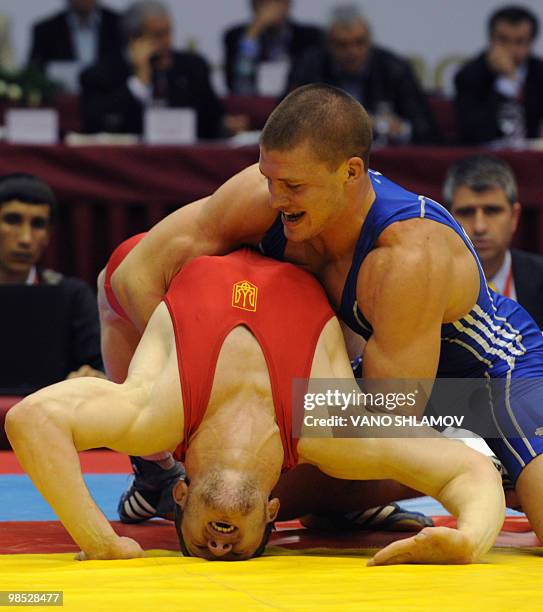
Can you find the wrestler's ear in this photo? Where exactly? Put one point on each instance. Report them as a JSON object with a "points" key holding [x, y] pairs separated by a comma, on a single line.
{"points": [[272, 510], [180, 492], [355, 169]]}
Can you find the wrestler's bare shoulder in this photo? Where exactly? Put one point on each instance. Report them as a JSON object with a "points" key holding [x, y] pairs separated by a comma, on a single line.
{"points": [[404, 246], [425, 254], [424, 233]]}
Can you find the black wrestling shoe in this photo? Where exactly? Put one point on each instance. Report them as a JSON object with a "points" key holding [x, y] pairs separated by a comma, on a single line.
{"points": [[390, 517], [506, 479], [511, 499], [150, 494]]}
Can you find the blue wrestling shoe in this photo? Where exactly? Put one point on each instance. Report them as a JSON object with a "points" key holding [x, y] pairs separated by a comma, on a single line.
{"points": [[390, 517], [150, 494]]}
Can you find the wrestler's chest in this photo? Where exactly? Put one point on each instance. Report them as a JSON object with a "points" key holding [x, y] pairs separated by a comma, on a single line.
{"points": [[331, 274]]}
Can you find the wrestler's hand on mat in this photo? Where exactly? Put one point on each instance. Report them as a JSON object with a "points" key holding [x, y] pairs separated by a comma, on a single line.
{"points": [[121, 548], [432, 545]]}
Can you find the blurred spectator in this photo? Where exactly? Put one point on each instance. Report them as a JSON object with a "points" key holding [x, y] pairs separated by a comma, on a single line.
{"points": [[481, 193], [85, 32], [27, 212], [116, 91], [6, 50], [270, 36], [499, 94], [384, 83]]}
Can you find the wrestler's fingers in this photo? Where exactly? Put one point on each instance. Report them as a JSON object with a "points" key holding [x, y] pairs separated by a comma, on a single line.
{"points": [[127, 548], [121, 548], [395, 553], [431, 545]]}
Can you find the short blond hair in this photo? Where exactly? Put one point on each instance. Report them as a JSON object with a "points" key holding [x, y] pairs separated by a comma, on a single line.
{"points": [[335, 125]]}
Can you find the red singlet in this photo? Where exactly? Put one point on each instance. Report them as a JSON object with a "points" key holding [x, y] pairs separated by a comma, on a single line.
{"points": [[283, 306], [114, 262]]}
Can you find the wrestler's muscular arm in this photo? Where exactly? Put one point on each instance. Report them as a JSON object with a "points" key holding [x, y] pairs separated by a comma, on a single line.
{"points": [[408, 289], [462, 479], [140, 417], [236, 214]]}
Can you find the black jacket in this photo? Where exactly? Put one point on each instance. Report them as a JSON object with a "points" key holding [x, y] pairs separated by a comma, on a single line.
{"points": [[528, 279], [109, 106], [84, 336], [477, 103], [302, 38], [385, 78], [52, 40]]}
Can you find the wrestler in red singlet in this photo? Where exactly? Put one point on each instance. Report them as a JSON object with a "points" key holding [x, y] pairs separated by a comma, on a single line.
{"points": [[284, 307]]}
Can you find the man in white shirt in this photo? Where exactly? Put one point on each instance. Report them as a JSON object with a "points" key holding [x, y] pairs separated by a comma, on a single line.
{"points": [[84, 32], [481, 193], [499, 93], [116, 92]]}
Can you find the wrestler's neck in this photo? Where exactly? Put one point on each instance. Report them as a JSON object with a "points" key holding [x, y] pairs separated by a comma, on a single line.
{"points": [[252, 448], [340, 235]]}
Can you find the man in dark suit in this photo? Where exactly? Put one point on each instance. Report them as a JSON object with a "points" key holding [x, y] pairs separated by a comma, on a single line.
{"points": [[84, 32], [27, 212], [499, 94], [481, 193], [383, 82], [271, 35], [150, 73]]}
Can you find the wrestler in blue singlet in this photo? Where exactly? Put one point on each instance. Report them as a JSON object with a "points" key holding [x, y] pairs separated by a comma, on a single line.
{"points": [[496, 339]]}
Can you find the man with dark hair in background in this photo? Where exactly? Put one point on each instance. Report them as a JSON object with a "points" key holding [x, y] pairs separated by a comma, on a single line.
{"points": [[499, 94], [380, 80], [115, 92], [270, 35], [85, 32], [481, 193], [27, 212]]}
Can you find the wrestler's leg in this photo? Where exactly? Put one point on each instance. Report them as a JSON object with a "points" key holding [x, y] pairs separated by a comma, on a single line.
{"points": [[119, 340], [518, 400], [154, 474], [119, 337], [529, 490]]}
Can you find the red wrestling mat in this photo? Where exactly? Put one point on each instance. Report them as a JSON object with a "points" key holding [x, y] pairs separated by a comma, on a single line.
{"points": [[51, 537], [92, 462]]}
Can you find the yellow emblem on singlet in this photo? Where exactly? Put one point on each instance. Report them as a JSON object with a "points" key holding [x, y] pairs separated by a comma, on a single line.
{"points": [[244, 295]]}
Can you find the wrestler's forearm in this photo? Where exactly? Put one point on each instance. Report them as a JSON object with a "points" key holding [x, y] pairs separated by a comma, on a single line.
{"points": [[464, 481], [476, 498], [143, 277], [385, 371], [47, 453]]}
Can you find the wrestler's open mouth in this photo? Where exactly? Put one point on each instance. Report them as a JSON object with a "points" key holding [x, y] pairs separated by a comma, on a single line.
{"points": [[291, 217], [222, 527]]}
